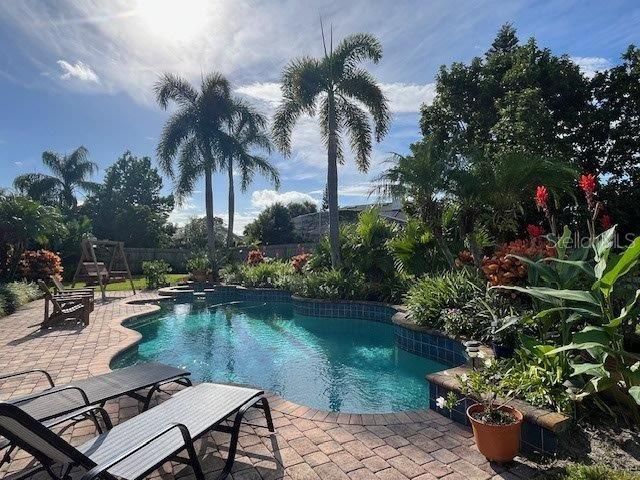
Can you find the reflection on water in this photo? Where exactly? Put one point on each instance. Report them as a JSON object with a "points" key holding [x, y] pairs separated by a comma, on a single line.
{"points": [[333, 364]]}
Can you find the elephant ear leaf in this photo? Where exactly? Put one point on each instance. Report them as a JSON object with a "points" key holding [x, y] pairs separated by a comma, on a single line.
{"points": [[554, 296], [625, 263], [635, 393]]}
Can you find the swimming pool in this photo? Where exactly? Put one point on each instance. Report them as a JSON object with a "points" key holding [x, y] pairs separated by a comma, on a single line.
{"points": [[336, 364]]}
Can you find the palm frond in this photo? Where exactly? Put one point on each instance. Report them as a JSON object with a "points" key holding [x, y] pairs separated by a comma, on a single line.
{"points": [[356, 124], [54, 162], [174, 88], [190, 167], [361, 86], [356, 48], [287, 113], [177, 129], [303, 80], [40, 187]]}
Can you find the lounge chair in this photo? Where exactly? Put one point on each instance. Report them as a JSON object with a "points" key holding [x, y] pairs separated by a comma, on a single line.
{"points": [[133, 449], [61, 290], [69, 402], [65, 307]]}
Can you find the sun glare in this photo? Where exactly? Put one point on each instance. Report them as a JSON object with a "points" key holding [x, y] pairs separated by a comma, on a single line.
{"points": [[173, 19]]}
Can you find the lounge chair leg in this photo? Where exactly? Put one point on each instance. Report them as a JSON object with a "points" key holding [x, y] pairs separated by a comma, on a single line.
{"points": [[6, 458], [233, 443], [194, 462], [267, 414]]}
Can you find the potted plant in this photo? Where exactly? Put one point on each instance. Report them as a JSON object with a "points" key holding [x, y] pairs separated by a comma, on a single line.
{"points": [[496, 425], [199, 267]]}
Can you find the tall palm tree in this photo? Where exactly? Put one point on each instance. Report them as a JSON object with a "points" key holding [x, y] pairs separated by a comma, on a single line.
{"points": [[249, 134], [336, 88], [69, 173], [197, 135]]}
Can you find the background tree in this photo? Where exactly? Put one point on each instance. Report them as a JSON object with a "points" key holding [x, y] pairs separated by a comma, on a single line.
{"points": [[249, 133], [129, 206], [336, 88], [193, 234], [196, 135], [274, 224], [69, 173]]}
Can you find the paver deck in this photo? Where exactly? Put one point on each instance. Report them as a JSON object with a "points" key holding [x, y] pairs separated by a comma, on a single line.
{"points": [[308, 444]]}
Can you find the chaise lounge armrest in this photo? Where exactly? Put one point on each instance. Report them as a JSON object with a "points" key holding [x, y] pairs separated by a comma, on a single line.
{"points": [[54, 391], [28, 372], [82, 411], [187, 443]]}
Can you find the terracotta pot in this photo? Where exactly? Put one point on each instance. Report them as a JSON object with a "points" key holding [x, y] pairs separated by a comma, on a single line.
{"points": [[498, 443]]}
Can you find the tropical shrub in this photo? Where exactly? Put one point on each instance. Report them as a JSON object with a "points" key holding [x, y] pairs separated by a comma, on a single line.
{"points": [[582, 324], [332, 285], [298, 262], [415, 251], [155, 272], [16, 294], [40, 265], [255, 257], [430, 295], [272, 274], [198, 264], [504, 269]]}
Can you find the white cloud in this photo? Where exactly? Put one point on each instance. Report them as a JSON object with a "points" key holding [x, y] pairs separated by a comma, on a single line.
{"points": [[182, 213], [240, 220], [590, 65], [408, 98], [264, 198], [78, 70], [18, 164]]}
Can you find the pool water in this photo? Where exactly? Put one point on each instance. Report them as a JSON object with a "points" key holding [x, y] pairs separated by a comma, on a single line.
{"points": [[337, 364]]}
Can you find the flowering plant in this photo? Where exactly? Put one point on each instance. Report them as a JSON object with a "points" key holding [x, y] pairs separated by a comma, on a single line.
{"points": [[485, 386], [503, 269], [535, 231], [40, 265], [255, 257], [542, 202], [299, 261]]}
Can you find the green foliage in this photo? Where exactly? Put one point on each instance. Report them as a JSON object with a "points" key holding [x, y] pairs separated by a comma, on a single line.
{"points": [[431, 294], [24, 223], [589, 326], [272, 274], [193, 234], [198, 264], [129, 206], [155, 273], [596, 472], [332, 285], [274, 226], [414, 249], [16, 294]]}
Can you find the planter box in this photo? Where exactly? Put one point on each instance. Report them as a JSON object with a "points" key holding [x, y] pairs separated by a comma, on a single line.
{"points": [[540, 430]]}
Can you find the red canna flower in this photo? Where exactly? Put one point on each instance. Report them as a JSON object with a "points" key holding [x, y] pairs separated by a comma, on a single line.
{"points": [[588, 183], [542, 197], [606, 222], [535, 231]]}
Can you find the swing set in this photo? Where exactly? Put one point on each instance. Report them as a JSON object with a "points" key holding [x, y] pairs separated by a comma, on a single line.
{"points": [[93, 272]]}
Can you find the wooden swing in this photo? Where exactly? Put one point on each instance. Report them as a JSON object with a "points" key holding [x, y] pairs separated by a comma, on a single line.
{"points": [[93, 272]]}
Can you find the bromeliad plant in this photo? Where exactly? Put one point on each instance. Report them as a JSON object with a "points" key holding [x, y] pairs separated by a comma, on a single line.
{"points": [[580, 297]]}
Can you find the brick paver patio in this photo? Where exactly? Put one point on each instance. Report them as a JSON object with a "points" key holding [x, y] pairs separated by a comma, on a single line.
{"points": [[308, 444]]}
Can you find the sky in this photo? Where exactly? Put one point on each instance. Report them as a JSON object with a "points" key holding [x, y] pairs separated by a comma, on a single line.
{"points": [[82, 72]]}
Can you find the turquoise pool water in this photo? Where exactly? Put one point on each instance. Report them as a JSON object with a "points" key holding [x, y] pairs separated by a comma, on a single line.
{"points": [[337, 364]]}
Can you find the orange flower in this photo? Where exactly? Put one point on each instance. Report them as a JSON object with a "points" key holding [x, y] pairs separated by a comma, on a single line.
{"points": [[588, 183], [542, 197]]}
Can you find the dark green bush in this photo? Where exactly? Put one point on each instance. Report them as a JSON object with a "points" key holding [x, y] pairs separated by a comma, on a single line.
{"points": [[273, 274], [430, 295], [155, 271]]}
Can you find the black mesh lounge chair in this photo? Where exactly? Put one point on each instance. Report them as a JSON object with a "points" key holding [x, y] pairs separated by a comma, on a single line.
{"points": [[75, 397], [138, 446]]}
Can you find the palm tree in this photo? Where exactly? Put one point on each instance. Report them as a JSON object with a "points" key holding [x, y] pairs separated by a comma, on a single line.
{"points": [[337, 88], [420, 180], [196, 134], [70, 172], [249, 134]]}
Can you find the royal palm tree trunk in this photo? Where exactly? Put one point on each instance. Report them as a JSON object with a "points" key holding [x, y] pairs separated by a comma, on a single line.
{"points": [[208, 201], [232, 205], [332, 185]]}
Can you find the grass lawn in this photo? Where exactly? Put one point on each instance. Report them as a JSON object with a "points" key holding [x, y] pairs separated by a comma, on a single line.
{"points": [[139, 281]]}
